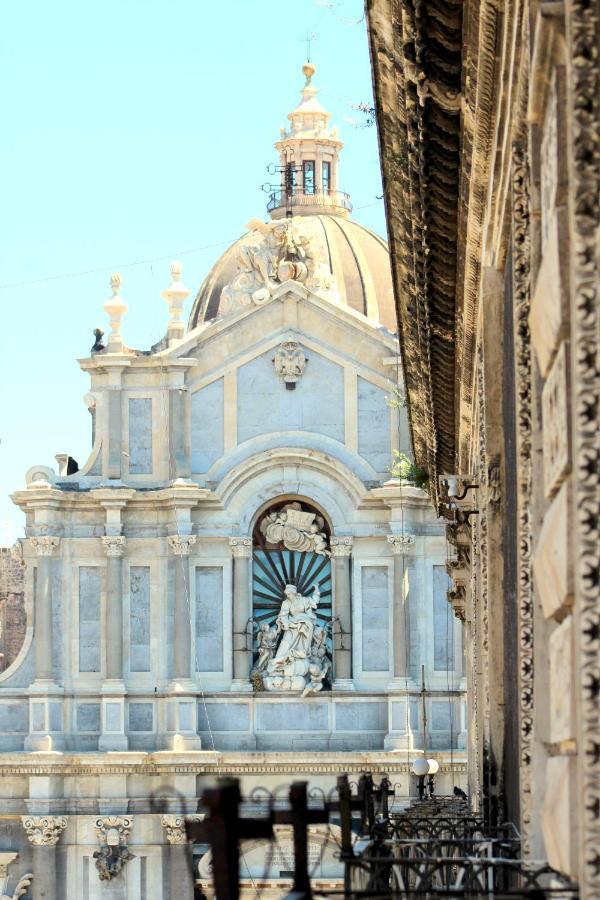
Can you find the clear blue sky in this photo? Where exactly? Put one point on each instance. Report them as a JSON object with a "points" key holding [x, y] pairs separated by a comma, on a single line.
{"points": [[136, 129]]}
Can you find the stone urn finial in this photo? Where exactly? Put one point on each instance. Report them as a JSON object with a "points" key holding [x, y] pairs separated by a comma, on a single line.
{"points": [[115, 308], [175, 295]]}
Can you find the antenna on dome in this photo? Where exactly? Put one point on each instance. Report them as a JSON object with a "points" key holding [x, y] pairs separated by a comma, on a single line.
{"points": [[310, 37], [288, 172]]}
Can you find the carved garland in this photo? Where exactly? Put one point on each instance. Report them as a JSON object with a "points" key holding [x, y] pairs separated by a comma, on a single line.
{"points": [[482, 620], [583, 26], [521, 299]]}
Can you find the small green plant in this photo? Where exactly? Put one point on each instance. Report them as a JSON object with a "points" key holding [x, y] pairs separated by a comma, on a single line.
{"points": [[407, 472]]}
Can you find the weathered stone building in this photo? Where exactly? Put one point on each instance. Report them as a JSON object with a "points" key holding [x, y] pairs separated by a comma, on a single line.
{"points": [[488, 116], [232, 583]]}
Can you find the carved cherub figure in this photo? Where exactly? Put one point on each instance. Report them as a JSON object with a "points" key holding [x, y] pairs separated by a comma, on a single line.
{"points": [[266, 640]]}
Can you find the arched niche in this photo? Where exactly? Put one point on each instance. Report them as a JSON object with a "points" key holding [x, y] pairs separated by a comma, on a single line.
{"points": [[290, 546]]}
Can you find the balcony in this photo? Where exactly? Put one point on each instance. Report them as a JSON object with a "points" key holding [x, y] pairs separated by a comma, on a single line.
{"points": [[335, 203]]}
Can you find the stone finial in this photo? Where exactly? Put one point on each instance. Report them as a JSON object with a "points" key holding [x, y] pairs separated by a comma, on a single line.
{"points": [[400, 542], [45, 545], [240, 547], [181, 544], [341, 546], [44, 831], [175, 295], [114, 545], [115, 308], [308, 70]]}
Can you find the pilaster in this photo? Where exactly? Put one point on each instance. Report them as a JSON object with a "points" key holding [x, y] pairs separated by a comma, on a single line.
{"points": [[181, 725], [45, 701], [341, 552], [44, 833], [241, 551], [400, 734]]}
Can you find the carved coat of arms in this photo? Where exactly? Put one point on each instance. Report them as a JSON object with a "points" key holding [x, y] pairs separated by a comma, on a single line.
{"points": [[290, 363], [296, 529]]}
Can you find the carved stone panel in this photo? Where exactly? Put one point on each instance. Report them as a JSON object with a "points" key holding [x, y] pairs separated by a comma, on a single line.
{"points": [[555, 420]]}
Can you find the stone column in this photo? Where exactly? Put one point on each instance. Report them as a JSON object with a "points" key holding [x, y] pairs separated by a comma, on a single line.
{"points": [[114, 547], [241, 550], [44, 548], [401, 611], [400, 734], [181, 732], [44, 834], [181, 881], [341, 549], [113, 735], [182, 618], [45, 702]]}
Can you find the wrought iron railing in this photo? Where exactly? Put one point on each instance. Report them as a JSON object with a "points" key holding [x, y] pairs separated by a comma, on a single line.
{"points": [[436, 848], [283, 199]]}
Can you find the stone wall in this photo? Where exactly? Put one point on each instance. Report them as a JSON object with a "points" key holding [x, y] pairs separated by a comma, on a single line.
{"points": [[13, 618]]}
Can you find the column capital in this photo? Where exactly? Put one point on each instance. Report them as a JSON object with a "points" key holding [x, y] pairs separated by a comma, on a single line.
{"points": [[400, 542], [44, 831], [114, 544], [175, 827], [45, 545], [241, 547], [341, 546], [181, 544]]}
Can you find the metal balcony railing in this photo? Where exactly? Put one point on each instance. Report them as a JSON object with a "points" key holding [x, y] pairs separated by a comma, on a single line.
{"points": [[327, 199]]}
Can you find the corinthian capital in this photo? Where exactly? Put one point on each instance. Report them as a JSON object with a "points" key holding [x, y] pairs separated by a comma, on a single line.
{"points": [[45, 545], [114, 544], [181, 544], [44, 831], [175, 827], [400, 542], [240, 547], [341, 546]]}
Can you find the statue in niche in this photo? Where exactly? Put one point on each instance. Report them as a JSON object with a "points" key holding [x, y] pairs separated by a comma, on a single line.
{"points": [[300, 662], [296, 529]]}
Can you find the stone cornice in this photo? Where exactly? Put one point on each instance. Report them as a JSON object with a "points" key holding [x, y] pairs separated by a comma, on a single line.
{"points": [[208, 762]]}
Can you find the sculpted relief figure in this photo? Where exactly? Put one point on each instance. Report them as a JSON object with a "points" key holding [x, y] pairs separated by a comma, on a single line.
{"points": [[296, 529], [271, 253], [300, 662]]}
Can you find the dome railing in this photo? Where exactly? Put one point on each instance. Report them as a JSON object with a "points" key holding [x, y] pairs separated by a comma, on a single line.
{"points": [[281, 199]]}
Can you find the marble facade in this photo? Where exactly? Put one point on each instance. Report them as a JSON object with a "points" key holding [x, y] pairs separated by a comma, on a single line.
{"points": [[143, 579]]}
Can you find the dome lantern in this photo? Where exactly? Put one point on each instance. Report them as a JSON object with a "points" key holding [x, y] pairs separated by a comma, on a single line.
{"points": [[309, 156]]}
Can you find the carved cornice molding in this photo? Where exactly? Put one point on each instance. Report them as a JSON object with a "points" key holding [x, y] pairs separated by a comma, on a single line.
{"points": [[341, 546], [175, 827], [45, 545], [44, 831], [400, 542], [114, 545], [241, 547], [181, 544]]}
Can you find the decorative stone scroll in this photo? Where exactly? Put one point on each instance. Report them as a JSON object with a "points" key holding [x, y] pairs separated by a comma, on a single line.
{"points": [[241, 548], [112, 832], [44, 831], [290, 363], [114, 545], [296, 529], [341, 546], [181, 544], [400, 542], [45, 545], [175, 827]]}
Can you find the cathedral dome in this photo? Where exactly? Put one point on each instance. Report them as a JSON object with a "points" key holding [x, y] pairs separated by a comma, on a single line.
{"points": [[354, 262]]}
